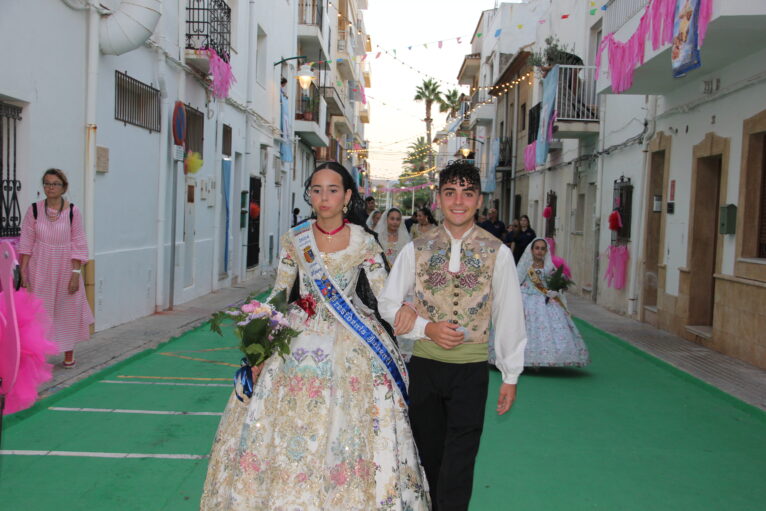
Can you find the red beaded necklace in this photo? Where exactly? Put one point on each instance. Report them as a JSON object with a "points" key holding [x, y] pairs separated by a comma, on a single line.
{"points": [[330, 234]]}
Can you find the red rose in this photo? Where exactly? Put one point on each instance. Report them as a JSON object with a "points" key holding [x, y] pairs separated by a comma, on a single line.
{"points": [[308, 304]]}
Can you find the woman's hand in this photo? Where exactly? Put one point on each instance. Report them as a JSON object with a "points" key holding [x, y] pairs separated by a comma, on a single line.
{"points": [[552, 294], [74, 283], [256, 372], [25, 282], [404, 320]]}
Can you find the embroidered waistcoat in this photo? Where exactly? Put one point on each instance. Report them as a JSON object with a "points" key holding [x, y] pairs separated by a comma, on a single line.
{"points": [[465, 297]]}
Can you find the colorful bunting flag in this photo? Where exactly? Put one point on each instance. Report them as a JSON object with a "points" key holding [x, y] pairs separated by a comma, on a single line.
{"points": [[479, 34], [564, 16], [440, 45], [520, 26], [603, 7], [592, 12], [498, 31], [458, 40], [364, 57], [378, 55]]}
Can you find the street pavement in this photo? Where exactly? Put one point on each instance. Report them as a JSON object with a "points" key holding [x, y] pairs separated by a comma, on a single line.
{"points": [[132, 426]]}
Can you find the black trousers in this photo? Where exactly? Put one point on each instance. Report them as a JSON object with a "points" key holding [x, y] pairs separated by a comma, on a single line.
{"points": [[447, 403]]}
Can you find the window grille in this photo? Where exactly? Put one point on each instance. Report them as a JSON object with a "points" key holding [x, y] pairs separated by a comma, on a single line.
{"points": [[208, 25], [10, 212], [195, 130], [622, 201], [136, 103]]}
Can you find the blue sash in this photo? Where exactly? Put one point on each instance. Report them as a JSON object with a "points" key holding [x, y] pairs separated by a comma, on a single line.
{"points": [[341, 308]]}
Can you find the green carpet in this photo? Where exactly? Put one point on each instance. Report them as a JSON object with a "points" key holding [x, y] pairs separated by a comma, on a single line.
{"points": [[627, 433]]}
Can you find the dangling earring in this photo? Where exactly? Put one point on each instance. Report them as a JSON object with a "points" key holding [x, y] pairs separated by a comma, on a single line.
{"points": [[345, 209]]}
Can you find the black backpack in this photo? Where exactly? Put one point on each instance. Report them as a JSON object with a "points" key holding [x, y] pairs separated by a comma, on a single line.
{"points": [[71, 211]]}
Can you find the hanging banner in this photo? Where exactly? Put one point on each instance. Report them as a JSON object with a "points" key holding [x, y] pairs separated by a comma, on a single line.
{"points": [[547, 114], [490, 183], [685, 55]]}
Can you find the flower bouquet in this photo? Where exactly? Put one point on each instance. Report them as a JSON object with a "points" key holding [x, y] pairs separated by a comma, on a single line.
{"points": [[558, 282], [262, 329]]}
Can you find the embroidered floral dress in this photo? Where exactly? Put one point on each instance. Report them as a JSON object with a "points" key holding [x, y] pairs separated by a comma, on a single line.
{"points": [[326, 428], [552, 337]]}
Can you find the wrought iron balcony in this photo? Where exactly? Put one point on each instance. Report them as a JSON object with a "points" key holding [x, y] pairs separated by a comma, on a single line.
{"points": [[576, 99], [310, 12], [208, 26], [618, 12]]}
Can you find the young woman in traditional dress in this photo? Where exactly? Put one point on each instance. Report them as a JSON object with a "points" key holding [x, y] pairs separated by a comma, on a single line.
{"points": [[53, 249], [552, 337], [424, 222], [327, 427], [392, 234]]}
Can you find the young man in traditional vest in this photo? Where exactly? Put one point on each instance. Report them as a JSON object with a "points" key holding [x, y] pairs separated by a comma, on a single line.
{"points": [[462, 278]]}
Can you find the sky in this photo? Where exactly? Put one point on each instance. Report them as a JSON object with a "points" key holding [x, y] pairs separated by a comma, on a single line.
{"points": [[396, 120]]}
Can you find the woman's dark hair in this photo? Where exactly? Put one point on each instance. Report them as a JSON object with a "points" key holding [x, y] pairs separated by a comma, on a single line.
{"points": [[356, 214], [429, 215], [59, 174], [392, 210], [529, 224], [461, 173]]}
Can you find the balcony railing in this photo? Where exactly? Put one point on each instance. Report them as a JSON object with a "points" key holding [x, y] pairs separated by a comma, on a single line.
{"points": [[310, 13], [618, 12], [480, 96], [576, 99], [307, 105], [208, 25], [506, 152]]}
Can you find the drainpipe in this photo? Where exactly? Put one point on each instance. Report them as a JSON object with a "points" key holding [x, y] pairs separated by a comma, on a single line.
{"points": [[216, 178], [248, 159], [162, 176], [514, 151], [91, 93], [599, 187], [634, 289]]}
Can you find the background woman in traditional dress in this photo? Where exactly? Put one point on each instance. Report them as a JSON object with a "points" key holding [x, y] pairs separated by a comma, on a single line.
{"points": [[424, 222], [326, 428], [373, 219], [392, 234], [552, 337], [53, 249]]}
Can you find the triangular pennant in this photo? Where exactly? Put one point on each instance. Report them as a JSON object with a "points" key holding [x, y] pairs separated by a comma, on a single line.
{"points": [[440, 45], [498, 32], [364, 57], [592, 12], [339, 83], [458, 40], [378, 55], [409, 47], [425, 46], [520, 26], [479, 34], [603, 7], [564, 16]]}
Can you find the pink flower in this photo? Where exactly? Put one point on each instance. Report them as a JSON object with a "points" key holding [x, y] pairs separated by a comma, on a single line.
{"points": [[301, 478], [364, 469], [354, 381], [314, 388], [469, 280], [249, 308], [339, 474], [296, 384], [249, 462], [437, 279]]}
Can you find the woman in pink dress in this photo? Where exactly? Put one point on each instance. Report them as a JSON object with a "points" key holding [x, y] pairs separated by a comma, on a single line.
{"points": [[53, 248]]}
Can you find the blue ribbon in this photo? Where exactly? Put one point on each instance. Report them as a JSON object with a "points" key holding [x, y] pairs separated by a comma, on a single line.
{"points": [[244, 377], [348, 315]]}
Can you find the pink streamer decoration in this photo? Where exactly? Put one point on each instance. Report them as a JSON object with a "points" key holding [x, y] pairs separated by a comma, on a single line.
{"points": [[530, 154], [618, 265], [558, 261], [220, 70], [657, 21]]}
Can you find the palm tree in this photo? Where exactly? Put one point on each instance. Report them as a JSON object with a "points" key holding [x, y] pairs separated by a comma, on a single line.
{"points": [[450, 103], [429, 93], [417, 156]]}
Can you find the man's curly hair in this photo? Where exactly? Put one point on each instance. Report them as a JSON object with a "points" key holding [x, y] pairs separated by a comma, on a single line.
{"points": [[462, 173]]}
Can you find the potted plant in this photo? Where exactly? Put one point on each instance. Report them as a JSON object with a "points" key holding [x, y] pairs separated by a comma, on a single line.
{"points": [[310, 104], [555, 52]]}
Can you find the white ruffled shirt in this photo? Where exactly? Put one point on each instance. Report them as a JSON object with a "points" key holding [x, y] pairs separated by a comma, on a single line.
{"points": [[507, 308]]}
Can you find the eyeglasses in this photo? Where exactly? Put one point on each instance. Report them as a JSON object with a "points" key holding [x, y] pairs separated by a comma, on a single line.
{"points": [[53, 185]]}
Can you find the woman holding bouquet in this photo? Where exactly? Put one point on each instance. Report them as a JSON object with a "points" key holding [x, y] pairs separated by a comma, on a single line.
{"points": [[326, 427], [552, 337]]}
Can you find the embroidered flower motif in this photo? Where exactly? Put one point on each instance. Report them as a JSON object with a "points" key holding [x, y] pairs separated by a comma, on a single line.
{"points": [[436, 279], [469, 280], [319, 355], [300, 478], [363, 469], [296, 447], [296, 384], [355, 384], [473, 262], [339, 474], [300, 354], [437, 260], [249, 462], [314, 388]]}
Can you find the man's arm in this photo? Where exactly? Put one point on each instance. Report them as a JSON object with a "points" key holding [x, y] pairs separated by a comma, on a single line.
{"points": [[399, 285], [510, 330]]}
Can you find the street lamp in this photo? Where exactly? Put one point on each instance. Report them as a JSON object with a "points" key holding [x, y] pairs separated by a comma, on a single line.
{"points": [[465, 151], [305, 76]]}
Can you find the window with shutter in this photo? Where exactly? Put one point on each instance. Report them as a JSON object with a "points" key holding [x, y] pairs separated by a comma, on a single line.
{"points": [[623, 202]]}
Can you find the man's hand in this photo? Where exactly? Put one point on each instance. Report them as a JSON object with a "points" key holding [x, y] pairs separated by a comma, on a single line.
{"points": [[443, 333], [404, 320], [74, 283], [506, 398]]}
